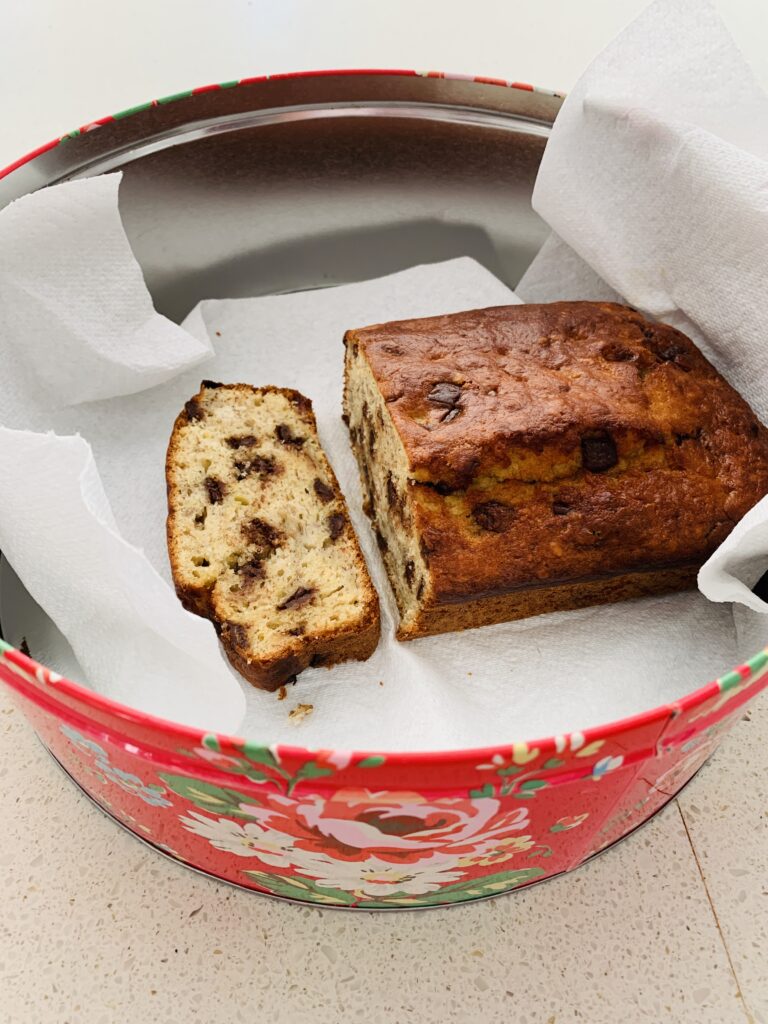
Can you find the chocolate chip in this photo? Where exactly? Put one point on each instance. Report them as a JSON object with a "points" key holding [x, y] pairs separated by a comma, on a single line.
{"points": [[193, 410], [262, 535], [234, 634], [299, 630], [444, 393], [420, 589], [246, 441], [494, 516], [437, 485], [323, 491], [560, 508], [598, 452], [669, 353], [694, 436], [425, 550], [264, 465], [451, 414], [204, 563], [200, 517], [345, 419], [666, 351], [252, 569], [614, 352], [381, 540], [285, 436], [211, 384], [409, 572], [317, 660], [391, 491], [336, 523], [216, 490], [365, 476], [754, 430], [300, 597]]}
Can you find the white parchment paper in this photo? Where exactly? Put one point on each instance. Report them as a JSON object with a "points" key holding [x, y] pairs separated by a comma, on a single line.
{"points": [[93, 378]]}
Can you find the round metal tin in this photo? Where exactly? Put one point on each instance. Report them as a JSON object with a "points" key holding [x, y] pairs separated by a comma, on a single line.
{"points": [[301, 181]]}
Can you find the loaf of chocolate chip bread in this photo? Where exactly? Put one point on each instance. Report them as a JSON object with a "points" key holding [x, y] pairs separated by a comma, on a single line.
{"points": [[259, 537], [527, 459]]}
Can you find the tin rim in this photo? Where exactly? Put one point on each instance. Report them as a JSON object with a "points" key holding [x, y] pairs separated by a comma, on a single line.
{"points": [[257, 80], [89, 698]]}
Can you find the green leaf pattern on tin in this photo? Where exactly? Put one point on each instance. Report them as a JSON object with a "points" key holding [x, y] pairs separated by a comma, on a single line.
{"points": [[514, 779], [215, 799], [385, 886], [261, 764]]}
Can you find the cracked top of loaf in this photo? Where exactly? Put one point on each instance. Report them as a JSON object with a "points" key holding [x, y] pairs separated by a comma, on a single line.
{"points": [[562, 441]]}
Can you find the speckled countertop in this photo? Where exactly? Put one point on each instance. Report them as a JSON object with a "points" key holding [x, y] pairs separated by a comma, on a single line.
{"points": [[671, 925]]}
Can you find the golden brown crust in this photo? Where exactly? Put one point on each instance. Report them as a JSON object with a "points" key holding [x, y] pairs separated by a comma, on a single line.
{"points": [[561, 442], [324, 646], [322, 651], [523, 604], [534, 376]]}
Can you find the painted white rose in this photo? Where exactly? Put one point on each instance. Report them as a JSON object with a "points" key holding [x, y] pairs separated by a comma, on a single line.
{"points": [[375, 877], [243, 839]]}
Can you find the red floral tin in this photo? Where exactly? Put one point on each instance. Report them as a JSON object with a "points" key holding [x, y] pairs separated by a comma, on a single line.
{"points": [[360, 829]]}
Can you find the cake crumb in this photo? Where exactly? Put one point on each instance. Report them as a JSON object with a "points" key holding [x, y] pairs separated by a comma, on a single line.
{"points": [[300, 712], [218, 334], [282, 693], [381, 682]]}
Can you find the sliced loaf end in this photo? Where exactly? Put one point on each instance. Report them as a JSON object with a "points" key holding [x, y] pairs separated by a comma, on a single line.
{"points": [[259, 536]]}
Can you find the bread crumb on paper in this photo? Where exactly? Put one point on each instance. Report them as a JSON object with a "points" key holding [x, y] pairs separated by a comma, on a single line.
{"points": [[300, 712], [282, 693]]}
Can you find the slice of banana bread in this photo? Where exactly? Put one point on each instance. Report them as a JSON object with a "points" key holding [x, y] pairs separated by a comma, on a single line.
{"points": [[526, 459], [259, 537]]}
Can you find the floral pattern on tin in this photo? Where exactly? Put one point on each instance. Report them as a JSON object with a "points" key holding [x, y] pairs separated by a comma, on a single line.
{"points": [[151, 794], [301, 834], [386, 847]]}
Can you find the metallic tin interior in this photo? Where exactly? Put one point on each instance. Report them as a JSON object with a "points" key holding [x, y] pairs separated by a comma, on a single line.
{"points": [[301, 183], [316, 182]]}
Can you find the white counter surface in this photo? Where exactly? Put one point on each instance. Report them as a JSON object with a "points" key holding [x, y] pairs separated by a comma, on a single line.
{"points": [[672, 925]]}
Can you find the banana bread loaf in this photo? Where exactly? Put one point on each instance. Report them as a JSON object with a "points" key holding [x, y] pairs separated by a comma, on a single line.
{"points": [[533, 458], [259, 537]]}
